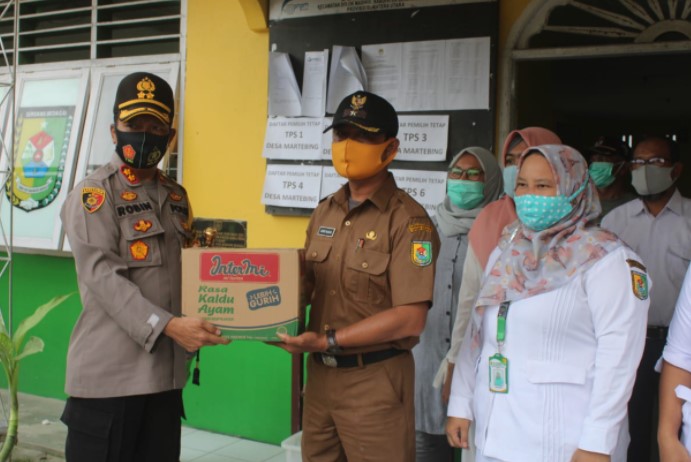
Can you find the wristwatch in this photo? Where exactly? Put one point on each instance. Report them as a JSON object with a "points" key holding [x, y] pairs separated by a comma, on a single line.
{"points": [[332, 346]]}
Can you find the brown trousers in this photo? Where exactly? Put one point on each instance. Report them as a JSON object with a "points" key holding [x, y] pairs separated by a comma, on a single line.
{"points": [[359, 414]]}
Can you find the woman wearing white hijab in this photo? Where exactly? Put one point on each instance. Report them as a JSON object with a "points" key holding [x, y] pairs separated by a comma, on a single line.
{"points": [[554, 341], [474, 179]]}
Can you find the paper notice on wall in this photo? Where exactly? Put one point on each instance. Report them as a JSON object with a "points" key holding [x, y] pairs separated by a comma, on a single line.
{"points": [[284, 92], [327, 139], [293, 138], [314, 83], [383, 66], [331, 181], [466, 77], [423, 138], [426, 187], [292, 185], [347, 76], [430, 75]]}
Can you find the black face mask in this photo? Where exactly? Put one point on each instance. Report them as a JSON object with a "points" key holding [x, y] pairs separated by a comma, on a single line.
{"points": [[140, 149]]}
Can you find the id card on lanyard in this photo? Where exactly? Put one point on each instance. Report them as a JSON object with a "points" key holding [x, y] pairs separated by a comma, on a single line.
{"points": [[498, 363]]}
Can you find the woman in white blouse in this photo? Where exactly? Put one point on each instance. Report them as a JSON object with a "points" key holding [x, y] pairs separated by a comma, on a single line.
{"points": [[549, 361], [675, 383]]}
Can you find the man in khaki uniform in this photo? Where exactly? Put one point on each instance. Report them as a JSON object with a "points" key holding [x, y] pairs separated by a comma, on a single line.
{"points": [[370, 254], [126, 224]]}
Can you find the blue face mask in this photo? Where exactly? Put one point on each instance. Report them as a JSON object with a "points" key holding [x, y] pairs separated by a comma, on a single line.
{"points": [[510, 173], [541, 212], [465, 194]]}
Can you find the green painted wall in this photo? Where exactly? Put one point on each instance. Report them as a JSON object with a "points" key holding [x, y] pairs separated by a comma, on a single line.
{"points": [[245, 386], [37, 279]]}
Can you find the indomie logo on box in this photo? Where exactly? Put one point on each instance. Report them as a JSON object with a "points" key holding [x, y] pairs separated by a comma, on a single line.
{"points": [[239, 267]]}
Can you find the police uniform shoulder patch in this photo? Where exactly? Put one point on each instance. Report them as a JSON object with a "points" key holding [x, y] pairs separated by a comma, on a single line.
{"points": [[93, 198], [421, 253], [175, 196], [639, 284]]}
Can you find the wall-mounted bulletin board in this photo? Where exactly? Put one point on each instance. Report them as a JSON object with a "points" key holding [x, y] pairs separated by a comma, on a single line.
{"points": [[434, 60]]}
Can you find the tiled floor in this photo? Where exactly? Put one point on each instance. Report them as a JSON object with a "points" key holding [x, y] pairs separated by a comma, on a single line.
{"points": [[201, 446]]}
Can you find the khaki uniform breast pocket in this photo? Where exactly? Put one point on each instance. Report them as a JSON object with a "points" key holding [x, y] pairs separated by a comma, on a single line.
{"points": [[318, 251], [184, 232], [140, 245], [365, 276]]}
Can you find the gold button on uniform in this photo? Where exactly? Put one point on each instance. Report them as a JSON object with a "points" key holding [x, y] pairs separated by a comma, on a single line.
{"points": [[347, 223], [314, 254], [365, 265], [332, 292]]}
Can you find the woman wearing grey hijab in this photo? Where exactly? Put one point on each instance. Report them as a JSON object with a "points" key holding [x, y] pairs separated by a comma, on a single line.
{"points": [[474, 179]]}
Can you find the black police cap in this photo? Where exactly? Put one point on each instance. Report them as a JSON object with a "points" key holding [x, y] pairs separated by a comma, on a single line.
{"points": [[144, 93], [609, 146], [368, 112]]}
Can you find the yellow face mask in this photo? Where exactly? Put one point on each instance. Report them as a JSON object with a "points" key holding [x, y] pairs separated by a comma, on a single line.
{"points": [[357, 161]]}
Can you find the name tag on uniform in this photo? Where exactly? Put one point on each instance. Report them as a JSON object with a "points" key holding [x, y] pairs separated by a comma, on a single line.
{"points": [[325, 231], [498, 374]]}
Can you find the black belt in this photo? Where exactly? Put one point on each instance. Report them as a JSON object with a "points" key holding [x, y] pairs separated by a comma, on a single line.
{"points": [[360, 359], [657, 332]]}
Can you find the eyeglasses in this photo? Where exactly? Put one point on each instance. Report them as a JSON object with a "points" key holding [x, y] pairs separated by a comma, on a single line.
{"points": [[656, 161], [457, 173]]}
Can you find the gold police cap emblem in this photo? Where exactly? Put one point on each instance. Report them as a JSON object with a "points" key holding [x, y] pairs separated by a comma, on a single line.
{"points": [[146, 89], [357, 102]]}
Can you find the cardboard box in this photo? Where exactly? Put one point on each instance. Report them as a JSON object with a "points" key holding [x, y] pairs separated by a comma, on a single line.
{"points": [[250, 294]]}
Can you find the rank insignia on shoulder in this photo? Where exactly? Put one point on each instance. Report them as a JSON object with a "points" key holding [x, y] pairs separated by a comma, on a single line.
{"points": [[142, 226], [418, 226], [129, 175], [639, 284], [128, 195], [139, 250], [93, 198], [326, 231], [175, 197], [421, 253]]}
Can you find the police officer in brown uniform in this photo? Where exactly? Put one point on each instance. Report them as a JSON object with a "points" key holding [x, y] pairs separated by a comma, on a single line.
{"points": [[126, 224], [370, 254]]}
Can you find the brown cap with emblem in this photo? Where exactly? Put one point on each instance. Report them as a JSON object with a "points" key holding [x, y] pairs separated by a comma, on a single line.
{"points": [[144, 93], [367, 111]]}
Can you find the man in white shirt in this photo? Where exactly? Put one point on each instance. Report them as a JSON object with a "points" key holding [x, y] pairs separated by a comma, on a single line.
{"points": [[657, 226]]}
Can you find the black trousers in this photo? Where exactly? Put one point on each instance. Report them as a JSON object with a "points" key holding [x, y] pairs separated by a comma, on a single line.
{"points": [[144, 428], [643, 405]]}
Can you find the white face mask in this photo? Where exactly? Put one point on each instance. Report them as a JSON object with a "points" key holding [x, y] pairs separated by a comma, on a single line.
{"points": [[651, 179]]}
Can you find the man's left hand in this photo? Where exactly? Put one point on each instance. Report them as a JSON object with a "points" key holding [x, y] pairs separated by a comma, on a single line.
{"points": [[304, 343]]}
